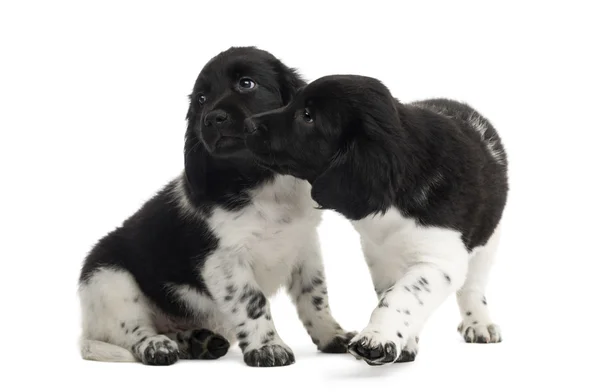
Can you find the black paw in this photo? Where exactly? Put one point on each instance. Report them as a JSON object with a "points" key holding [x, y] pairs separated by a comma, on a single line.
{"points": [[372, 352], [158, 351], [339, 344], [406, 356], [205, 344], [269, 356]]}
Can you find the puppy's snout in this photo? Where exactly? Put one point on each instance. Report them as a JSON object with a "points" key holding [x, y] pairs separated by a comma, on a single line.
{"points": [[215, 117], [249, 126]]}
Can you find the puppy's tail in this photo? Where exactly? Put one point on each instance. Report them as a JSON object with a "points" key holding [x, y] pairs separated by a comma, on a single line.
{"points": [[95, 350]]}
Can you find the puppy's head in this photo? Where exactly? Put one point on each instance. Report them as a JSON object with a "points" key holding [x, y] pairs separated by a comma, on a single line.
{"points": [[336, 133], [233, 85]]}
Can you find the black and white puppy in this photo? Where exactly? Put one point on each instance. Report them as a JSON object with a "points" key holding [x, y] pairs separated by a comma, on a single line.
{"points": [[425, 185], [192, 269]]}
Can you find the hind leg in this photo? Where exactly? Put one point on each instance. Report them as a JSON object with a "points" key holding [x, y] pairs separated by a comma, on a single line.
{"points": [[477, 325], [115, 311], [199, 344]]}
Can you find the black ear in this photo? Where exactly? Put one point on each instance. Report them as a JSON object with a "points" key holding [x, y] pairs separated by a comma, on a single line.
{"points": [[362, 178], [195, 156], [290, 81]]}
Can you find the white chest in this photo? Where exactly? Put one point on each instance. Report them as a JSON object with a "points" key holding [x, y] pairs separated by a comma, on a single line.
{"points": [[271, 229]]}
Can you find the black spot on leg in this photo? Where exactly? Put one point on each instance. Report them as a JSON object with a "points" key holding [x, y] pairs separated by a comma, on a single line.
{"points": [[406, 311], [127, 331], [484, 301], [424, 280], [256, 305], [469, 313], [415, 287], [268, 316], [136, 299], [448, 278], [242, 335], [228, 297], [475, 322], [135, 329], [271, 334], [240, 325], [234, 310], [324, 291], [407, 288], [308, 324], [230, 289], [307, 289], [317, 302], [400, 335], [316, 281], [122, 325]]}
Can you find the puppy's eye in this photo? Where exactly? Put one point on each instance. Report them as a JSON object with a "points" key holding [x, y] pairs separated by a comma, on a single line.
{"points": [[306, 116], [246, 83], [202, 99]]}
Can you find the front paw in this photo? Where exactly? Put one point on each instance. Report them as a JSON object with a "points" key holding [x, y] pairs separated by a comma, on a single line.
{"points": [[269, 356], [374, 349], [339, 343]]}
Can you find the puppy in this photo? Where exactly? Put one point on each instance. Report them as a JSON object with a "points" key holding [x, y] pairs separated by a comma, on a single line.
{"points": [[191, 271], [425, 185]]}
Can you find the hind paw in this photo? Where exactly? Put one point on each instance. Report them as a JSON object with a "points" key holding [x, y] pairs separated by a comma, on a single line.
{"points": [[156, 350]]}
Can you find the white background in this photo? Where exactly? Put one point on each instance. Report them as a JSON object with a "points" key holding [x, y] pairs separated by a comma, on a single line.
{"points": [[93, 97]]}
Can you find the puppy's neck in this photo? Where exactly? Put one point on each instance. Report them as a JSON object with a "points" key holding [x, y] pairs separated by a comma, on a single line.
{"points": [[224, 181]]}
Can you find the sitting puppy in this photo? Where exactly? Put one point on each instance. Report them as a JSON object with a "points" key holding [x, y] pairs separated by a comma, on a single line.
{"points": [[425, 185], [203, 254]]}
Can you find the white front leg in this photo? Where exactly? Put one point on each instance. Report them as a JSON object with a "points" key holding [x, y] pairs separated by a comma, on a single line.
{"points": [[405, 306]]}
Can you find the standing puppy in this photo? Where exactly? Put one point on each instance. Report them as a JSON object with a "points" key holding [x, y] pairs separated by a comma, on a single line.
{"points": [[203, 255], [425, 185]]}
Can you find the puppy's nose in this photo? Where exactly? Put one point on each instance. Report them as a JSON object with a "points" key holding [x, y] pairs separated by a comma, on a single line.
{"points": [[216, 117], [249, 126]]}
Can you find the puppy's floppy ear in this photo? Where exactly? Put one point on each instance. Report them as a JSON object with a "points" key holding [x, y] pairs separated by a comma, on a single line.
{"points": [[361, 178], [195, 155], [290, 81]]}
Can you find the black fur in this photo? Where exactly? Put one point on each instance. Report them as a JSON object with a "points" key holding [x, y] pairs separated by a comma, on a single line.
{"points": [[157, 245], [364, 152]]}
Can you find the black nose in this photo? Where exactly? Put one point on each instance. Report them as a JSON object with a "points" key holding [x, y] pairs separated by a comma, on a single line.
{"points": [[216, 117]]}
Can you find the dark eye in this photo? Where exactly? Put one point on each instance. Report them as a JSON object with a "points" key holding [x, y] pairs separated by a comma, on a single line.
{"points": [[306, 116], [246, 83], [202, 99]]}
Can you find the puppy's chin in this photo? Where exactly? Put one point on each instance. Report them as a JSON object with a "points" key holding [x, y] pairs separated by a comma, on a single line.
{"points": [[225, 146]]}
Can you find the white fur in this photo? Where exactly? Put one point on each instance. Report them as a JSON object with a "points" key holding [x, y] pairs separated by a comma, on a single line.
{"points": [[418, 267], [471, 297], [260, 246]]}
